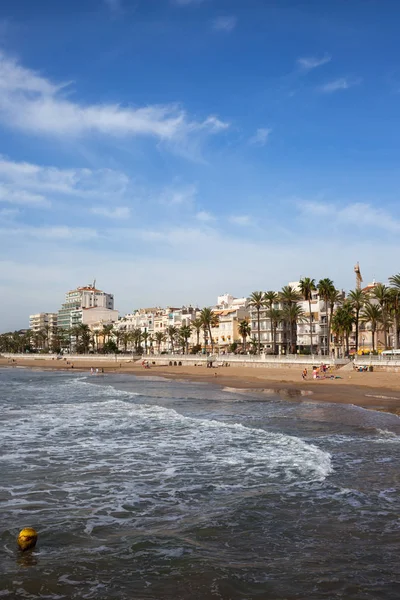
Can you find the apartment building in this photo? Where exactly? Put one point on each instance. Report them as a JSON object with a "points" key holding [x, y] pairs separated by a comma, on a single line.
{"points": [[43, 321], [80, 300]]}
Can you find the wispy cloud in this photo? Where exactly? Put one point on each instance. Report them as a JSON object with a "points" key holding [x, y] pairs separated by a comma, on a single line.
{"points": [[11, 195], [186, 2], [226, 23], [336, 85], [359, 215], [65, 233], [312, 62], [113, 5], [261, 136], [119, 212], [204, 216], [178, 195], [33, 104], [241, 220]]}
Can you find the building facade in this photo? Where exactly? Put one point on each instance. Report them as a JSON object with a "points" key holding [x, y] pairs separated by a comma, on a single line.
{"points": [[79, 300]]}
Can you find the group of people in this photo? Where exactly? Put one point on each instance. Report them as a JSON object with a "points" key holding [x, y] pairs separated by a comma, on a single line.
{"points": [[317, 372], [145, 364], [96, 371]]}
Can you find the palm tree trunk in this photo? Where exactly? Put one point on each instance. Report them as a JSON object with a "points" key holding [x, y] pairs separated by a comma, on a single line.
{"points": [[373, 340], [272, 331], [211, 338], [259, 331], [198, 336], [396, 333], [309, 308], [357, 319], [244, 343]]}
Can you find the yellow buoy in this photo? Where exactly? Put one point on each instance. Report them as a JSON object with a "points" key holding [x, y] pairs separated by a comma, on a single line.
{"points": [[27, 538]]}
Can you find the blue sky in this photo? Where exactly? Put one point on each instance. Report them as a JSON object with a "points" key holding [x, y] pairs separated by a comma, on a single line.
{"points": [[179, 149]]}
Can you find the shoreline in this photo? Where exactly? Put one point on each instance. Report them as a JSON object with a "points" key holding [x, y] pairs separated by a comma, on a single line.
{"points": [[374, 391]]}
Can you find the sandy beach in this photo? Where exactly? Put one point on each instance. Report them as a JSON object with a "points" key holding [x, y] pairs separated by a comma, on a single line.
{"points": [[376, 390]]}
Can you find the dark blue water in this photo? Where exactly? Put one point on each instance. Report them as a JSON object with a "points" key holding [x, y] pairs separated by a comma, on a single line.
{"points": [[149, 488]]}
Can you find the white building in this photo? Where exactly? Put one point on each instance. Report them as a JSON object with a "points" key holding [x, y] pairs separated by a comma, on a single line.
{"points": [[87, 297], [43, 321]]}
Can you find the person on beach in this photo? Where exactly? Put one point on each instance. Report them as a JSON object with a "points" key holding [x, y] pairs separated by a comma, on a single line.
{"points": [[304, 373]]}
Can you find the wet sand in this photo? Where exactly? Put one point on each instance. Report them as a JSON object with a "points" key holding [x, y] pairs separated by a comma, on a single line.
{"points": [[376, 391]]}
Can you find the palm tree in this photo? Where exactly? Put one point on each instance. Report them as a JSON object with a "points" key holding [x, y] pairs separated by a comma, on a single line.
{"points": [[271, 298], [257, 301], [145, 338], [394, 280], [106, 332], [293, 314], [382, 294], [126, 337], [160, 338], [137, 339], [372, 314], [357, 300], [343, 323], [307, 287], [197, 325], [335, 298], [325, 288], [208, 319], [289, 295], [172, 332], [275, 315], [244, 329], [185, 333]]}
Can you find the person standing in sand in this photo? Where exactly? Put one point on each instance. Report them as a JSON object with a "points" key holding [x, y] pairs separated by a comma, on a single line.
{"points": [[304, 373]]}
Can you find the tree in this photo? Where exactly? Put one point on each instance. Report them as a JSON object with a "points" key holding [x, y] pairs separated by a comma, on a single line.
{"points": [[325, 288], [289, 295], [197, 325], [307, 287], [293, 314], [208, 319], [270, 299], [185, 333], [372, 314], [160, 338], [244, 329], [394, 280], [106, 333], [126, 337], [343, 321], [357, 300], [145, 338], [137, 340], [172, 332], [275, 315], [257, 301], [335, 298], [382, 294]]}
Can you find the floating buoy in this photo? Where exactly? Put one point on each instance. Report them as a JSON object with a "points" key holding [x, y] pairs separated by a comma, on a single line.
{"points": [[27, 538]]}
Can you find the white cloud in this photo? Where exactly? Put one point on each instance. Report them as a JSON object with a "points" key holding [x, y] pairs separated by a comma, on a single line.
{"points": [[16, 196], [62, 232], [242, 220], [33, 104], [113, 5], [205, 216], [227, 23], [338, 84], [119, 212], [179, 195], [312, 62], [358, 215], [261, 136]]}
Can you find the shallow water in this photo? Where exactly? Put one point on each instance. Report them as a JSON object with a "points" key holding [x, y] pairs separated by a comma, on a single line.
{"points": [[149, 488]]}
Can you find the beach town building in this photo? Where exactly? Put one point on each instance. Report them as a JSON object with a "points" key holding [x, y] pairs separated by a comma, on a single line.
{"points": [[43, 321], [78, 303]]}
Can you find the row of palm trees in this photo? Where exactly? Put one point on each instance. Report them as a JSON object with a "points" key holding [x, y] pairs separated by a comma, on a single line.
{"points": [[380, 308]]}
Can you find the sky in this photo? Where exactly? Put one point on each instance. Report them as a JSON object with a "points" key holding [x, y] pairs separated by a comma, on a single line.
{"points": [[176, 150]]}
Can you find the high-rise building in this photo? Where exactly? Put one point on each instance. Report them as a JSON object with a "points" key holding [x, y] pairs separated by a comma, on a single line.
{"points": [[81, 299], [42, 321]]}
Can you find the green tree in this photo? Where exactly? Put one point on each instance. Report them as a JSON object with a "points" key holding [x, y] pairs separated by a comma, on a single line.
{"points": [[372, 314], [185, 333], [325, 288], [343, 320], [270, 299], [257, 301], [307, 287], [293, 314], [357, 300], [382, 294], [145, 338], [394, 281], [172, 332], [197, 325], [160, 338], [208, 319], [244, 329]]}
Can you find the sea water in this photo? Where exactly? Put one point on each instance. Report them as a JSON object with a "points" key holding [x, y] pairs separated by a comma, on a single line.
{"points": [[149, 488]]}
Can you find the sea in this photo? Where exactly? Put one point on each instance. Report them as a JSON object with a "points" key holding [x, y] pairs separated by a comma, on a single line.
{"points": [[149, 488]]}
